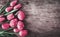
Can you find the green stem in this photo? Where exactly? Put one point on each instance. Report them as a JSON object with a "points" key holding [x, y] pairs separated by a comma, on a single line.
{"points": [[9, 32], [2, 32], [8, 29], [5, 31], [4, 7], [10, 12]]}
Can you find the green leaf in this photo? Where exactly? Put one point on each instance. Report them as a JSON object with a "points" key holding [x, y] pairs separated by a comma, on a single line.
{"points": [[7, 34], [4, 12]]}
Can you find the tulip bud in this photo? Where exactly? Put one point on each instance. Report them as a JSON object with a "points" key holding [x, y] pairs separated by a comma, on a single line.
{"points": [[8, 9], [21, 15], [20, 25], [2, 19], [10, 16], [13, 22], [16, 30], [13, 3], [5, 26], [17, 6], [23, 33]]}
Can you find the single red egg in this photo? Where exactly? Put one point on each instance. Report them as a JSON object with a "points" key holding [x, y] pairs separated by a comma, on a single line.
{"points": [[20, 25], [8, 9], [10, 16], [5, 26], [23, 33], [13, 22], [18, 6], [21, 15]]}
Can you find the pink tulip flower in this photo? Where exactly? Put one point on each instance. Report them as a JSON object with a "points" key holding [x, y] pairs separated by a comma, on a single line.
{"points": [[21, 15], [20, 25], [5, 26], [13, 22], [23, 33], [10, 16], [16, 30], [13, 3], [18, 6], [8, 9]]}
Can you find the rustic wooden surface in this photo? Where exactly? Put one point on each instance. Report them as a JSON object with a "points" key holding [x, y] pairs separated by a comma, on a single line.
{"points": [[42, 17]]}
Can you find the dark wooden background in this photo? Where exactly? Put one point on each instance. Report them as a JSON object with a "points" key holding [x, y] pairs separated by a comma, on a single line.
{"points": [[42, 17]]}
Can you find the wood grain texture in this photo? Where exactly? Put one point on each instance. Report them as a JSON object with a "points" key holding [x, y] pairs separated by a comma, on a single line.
{"points": [[42, 17]]}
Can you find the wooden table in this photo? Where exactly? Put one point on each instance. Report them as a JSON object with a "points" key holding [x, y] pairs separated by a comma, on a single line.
{"points": [[42, 17]]}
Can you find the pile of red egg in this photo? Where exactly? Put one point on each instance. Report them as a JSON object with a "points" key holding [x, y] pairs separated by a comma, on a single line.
{"points": [[14, 22]]}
